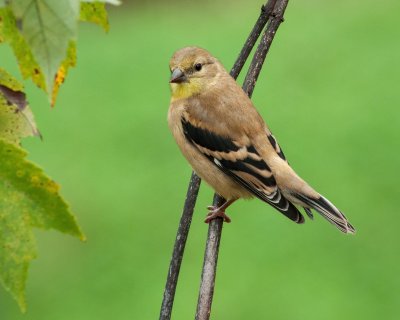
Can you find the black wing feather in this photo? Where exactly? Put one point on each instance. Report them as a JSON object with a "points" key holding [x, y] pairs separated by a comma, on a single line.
{"points": [[276, 146], [206, 139]]}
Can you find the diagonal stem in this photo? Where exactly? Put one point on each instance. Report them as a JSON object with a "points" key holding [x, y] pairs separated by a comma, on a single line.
{"points": [[266, 11], [263, 48], [179, 247], [215, 228], [209, 271], [194, 184]]}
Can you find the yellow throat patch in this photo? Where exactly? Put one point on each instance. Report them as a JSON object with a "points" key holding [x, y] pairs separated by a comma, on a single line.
{"points": [[185, 89]]}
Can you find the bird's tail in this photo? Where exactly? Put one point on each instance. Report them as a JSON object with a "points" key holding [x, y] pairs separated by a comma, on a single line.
{"points": [[328, 211]]}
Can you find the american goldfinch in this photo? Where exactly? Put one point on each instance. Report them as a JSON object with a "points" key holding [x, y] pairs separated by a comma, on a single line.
{"points": [[229, 146]]}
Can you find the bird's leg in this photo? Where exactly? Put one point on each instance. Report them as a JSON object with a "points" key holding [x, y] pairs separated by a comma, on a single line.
{"points": [[219, 211]]}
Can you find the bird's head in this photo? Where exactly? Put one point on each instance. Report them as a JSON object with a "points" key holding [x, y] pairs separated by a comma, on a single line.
{"points": [[192, 71]]}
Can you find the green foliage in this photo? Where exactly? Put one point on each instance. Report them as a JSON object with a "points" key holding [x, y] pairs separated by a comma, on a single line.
{"points": [[48, 27], [42, 35], [29, 199], [94, 12], [27, 64]]}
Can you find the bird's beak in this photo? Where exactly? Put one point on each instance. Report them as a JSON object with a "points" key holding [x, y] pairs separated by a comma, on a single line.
{"points": [[177, 76]]}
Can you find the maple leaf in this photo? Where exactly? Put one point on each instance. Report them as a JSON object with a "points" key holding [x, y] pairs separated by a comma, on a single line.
{"points": [[29, 199], [42, 35], [48, 27]]}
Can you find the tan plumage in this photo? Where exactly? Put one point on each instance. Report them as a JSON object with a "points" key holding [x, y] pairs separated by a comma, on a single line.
{"points": [[228, 144]]}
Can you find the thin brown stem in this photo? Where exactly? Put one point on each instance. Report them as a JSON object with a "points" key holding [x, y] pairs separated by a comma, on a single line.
{"points": [[206, 292], [179, 247], [215, 228], [263, 47], [266, 11], [194, 184]]}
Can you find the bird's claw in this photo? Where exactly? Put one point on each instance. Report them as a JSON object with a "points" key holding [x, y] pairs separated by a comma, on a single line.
{"points": [[216, 212]]}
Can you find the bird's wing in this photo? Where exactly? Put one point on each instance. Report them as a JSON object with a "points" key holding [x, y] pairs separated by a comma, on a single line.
{"points": [[243, 163], [272, 140]]}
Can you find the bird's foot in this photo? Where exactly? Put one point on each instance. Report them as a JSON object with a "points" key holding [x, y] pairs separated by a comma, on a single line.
{"points": [[216, 212]]}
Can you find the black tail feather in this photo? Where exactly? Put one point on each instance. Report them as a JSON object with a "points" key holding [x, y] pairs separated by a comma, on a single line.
{"points": [[293, 213], [309, 213], [284, 206], [328, 211]]}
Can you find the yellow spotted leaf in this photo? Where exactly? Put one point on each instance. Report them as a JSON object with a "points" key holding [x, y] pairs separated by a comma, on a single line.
{"points": [[42, 35], [48, 26], [10, 34], [94, 12], [29, 199]]}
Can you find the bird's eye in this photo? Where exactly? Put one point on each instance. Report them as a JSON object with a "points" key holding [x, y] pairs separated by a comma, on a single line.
{"points": [[198, 66]]}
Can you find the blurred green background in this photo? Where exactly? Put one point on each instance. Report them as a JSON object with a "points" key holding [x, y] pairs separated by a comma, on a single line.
{"points": [[330, 93]]}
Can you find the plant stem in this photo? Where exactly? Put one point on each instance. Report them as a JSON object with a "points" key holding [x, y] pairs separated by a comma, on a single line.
{"points": [[194, 184], [263, 48], [215, 227], [266, 11], [179, 247], [206, 291]]}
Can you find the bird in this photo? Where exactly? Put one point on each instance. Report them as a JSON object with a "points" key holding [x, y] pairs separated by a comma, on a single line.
{"points": [[229, 146]]}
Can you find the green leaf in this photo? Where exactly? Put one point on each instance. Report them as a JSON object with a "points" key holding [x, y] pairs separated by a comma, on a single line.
{"points": [[16, 118], [10, 34], [95, 12], [48, 27], [46, 48], [28, 199], [28, 66]]}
